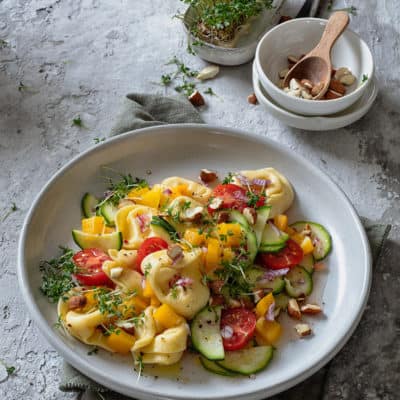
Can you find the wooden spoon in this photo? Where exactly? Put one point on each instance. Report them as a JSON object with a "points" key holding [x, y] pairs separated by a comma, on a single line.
{"points": [[316, 66]]}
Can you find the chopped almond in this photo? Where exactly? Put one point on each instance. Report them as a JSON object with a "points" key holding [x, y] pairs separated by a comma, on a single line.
{"points": [[303, 330], [311, 309], [293, 309], [75, 302], [208, 176], [175, 252]]}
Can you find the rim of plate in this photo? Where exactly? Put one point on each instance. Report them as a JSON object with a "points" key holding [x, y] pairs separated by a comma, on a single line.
{"points": [[98, 375], [371, 93]]}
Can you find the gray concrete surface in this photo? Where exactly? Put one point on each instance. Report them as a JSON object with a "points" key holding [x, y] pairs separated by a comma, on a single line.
{"points": [[64, 58]]}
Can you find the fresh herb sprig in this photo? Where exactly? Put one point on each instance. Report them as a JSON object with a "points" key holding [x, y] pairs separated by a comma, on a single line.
{"points": [[118, 190], [228, 178], [234, 276], [57, 275]]}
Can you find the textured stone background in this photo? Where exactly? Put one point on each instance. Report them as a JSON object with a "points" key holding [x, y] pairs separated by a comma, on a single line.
{"points": [[80, 57]]}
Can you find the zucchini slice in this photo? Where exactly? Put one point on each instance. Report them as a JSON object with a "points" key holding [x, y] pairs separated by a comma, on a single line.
{"points": [[251, 239], [88, 205], [319, 235], [272, 249], [247, 361], [308, 263], [212, 366], [166, 226], [281, 301], [206, 333], [108, 211], [255, 276], [104, 242], [272, 236], [298, 282], [262, 217]]}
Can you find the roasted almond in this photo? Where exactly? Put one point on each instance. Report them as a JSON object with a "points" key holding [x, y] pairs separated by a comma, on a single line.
{"points": [[196, 99], [175, 252], [337, 87], [317, 88], [252, 99], [331, 95]]}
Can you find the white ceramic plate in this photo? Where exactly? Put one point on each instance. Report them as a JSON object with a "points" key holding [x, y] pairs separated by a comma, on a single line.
{"points": [[316, 123], [184, 150]]}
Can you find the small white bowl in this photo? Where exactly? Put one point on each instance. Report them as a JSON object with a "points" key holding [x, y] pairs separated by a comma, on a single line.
{"points": [[320, 122], [299, 36]]}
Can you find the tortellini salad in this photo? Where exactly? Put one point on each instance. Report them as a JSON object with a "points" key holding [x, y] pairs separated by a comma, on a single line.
{"points": [[209, 264]]}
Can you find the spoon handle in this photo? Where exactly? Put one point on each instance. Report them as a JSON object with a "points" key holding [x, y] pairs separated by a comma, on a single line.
{"points": [[337, 23]]}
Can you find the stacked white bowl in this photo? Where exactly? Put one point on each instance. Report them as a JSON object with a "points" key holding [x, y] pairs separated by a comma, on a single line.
{"points": [[297, 37]]}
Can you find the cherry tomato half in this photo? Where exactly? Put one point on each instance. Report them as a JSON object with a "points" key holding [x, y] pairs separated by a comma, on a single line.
{"points": [[150, 245], [237, 327], [89, 262], [288, 257], [233, 196]]}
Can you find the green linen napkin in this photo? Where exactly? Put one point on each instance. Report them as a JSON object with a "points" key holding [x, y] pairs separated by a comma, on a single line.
{"points": [[141, 111]]}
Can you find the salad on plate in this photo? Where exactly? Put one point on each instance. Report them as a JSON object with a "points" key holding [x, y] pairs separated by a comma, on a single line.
{"points": [[205, 266]]}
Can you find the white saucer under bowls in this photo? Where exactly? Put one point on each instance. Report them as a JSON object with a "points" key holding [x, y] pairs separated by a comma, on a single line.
{"points": [[299, 36], [316, 123]]}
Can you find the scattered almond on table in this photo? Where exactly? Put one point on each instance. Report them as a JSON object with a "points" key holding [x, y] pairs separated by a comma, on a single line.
{"points": [[305, 89]]}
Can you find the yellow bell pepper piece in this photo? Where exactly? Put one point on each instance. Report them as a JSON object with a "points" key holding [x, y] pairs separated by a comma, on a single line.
{"points": [[270, 331], [228, 254], [290, 231], [230, 234], [307, 245], [137, 193], [151, 198], [167, 317], [193, 236], [120, 342], [108, 229], [213, 255], [154, 302], [93, 225], [281, 221], [298, 238], [264, 304], [132, 306], [148, 290]]}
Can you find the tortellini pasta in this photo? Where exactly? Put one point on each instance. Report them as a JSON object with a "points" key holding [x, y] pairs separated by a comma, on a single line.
{"points": [[192, 189], [164, 348], [187, 299], [134, 224], [279, 191]]}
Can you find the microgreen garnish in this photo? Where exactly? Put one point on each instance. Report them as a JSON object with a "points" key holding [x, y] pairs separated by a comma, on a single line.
{"points": [[228, 178], [118, 190], [99, 140], [77, 121], [253, 198], [94, 350], [166, 79], [12, 209], [233, 275], [210, 92], [186, 87], [3, 43], [218, 20], [364, 78], [57, 275]]}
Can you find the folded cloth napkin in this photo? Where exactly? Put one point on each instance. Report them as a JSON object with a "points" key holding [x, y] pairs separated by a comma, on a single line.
{"points": [[147, 110]]}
